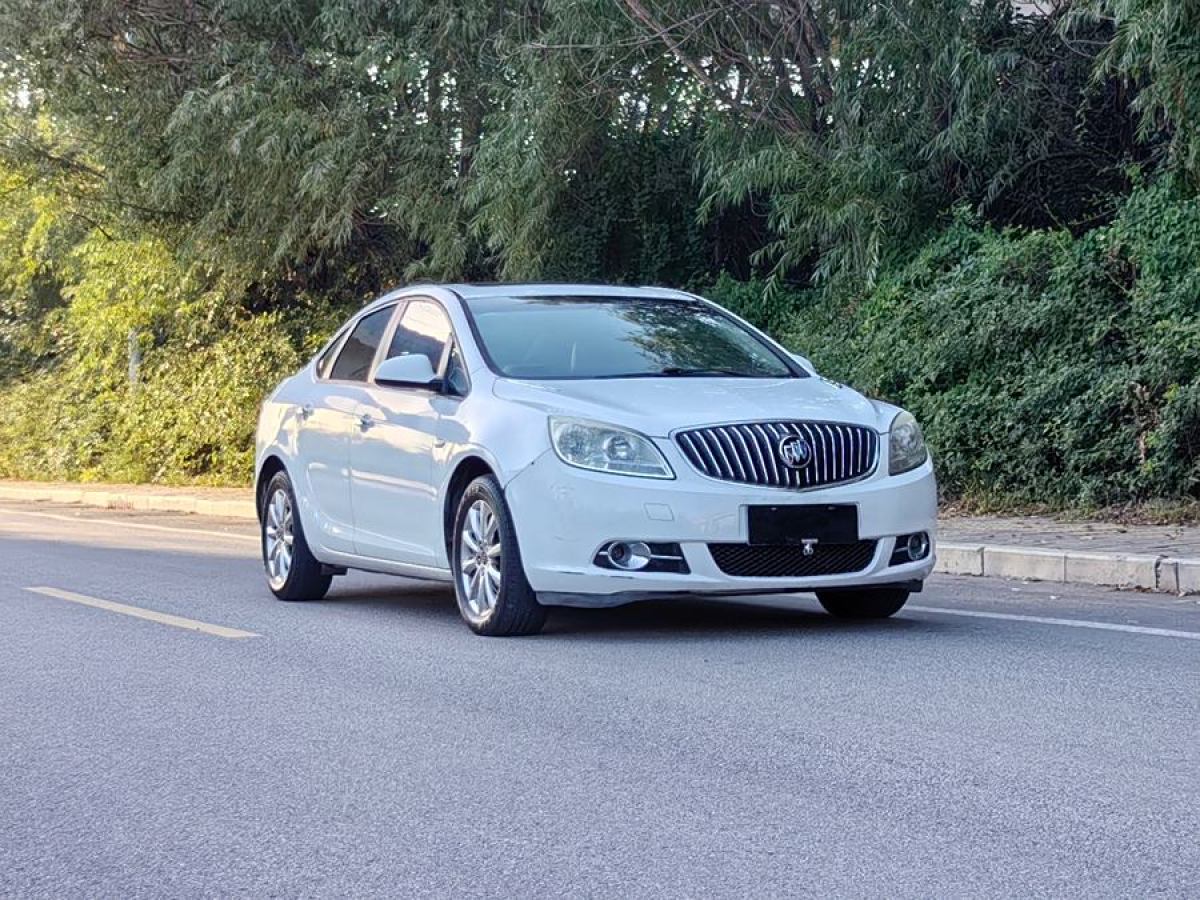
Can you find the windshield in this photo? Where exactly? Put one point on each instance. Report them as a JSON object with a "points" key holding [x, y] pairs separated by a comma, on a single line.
{"points": [[618, 337]]}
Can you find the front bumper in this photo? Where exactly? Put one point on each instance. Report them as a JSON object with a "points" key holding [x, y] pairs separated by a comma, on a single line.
{"points": [[564, 515]]}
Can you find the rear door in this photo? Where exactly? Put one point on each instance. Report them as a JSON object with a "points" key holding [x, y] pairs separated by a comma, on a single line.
{"points": [[328, 423]]}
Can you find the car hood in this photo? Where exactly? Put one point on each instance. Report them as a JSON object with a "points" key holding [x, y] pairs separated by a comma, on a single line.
{"points": [[658, 406]]}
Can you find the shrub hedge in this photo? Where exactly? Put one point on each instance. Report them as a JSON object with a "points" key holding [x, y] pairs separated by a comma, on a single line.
{"points": [[1045, 367]]}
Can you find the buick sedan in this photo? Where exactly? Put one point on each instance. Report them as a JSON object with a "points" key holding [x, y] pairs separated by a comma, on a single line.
{"points": [[543, 445]]}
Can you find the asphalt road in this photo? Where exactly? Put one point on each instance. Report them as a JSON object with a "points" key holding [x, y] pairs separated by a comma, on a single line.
{"points": [[995, 739]]}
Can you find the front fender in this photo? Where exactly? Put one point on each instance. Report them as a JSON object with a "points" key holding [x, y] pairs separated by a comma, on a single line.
{"points": [[508, 441]]}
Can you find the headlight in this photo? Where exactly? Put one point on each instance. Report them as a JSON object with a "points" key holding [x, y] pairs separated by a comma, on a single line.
{"points": [[906, 445], [606, 448]]}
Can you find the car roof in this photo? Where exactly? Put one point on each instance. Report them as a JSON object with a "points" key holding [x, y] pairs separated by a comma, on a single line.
{"points": [[563, 289], [468, 291]]}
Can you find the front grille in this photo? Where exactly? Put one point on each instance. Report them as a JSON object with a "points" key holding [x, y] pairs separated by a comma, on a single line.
{"points": [[786, 561], [750, 453]]}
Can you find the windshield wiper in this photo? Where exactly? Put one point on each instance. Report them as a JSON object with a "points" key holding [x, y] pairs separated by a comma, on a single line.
{"points": [[700, 373]]}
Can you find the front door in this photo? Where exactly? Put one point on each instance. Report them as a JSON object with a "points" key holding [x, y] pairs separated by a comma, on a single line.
{"points": [[392, 484]]}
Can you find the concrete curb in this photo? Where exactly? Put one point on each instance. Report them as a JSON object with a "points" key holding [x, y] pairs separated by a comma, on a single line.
{"points": [[1123, 570], [115, 498]]}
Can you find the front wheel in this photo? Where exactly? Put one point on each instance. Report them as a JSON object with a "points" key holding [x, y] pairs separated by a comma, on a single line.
{"points": [[494, 597], [863, 604], [293, 573]]}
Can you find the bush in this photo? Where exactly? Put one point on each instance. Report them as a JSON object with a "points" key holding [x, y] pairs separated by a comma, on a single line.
{"points": [[207, 364], [1044, 368], [191, 417]]}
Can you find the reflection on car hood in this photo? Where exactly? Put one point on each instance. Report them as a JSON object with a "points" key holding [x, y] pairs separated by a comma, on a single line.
{"points": [[657, 406]]}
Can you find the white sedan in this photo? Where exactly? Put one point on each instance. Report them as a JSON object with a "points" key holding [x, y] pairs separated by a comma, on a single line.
{"points": [[542, 445]]}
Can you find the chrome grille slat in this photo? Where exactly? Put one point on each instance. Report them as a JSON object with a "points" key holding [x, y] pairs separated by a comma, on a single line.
{"points": [[764, 442], [839, 460], [727, 442], [748, 453], [824, 456], [791, 478], [798, 478], [699, 451], [757, 474], [814, 473], [712, 441], [829, 433], [843, 458], [756, 454]]}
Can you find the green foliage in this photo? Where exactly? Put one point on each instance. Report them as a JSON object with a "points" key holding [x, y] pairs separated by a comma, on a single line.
{"points": [[372, 140], [983, 214], [1044, 368], [190, 418], [35, 238], [1156, 47], [206, 365], [193, 415]]}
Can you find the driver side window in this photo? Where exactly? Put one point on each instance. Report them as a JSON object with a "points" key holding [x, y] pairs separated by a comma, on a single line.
{"points": [[424, 329]]}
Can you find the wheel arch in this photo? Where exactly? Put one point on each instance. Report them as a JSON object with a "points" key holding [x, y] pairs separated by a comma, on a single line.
{"points": [[465, 471], [271, 465]]}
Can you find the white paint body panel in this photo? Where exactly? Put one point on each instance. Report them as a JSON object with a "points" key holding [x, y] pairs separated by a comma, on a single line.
{"points": [[375, 496]]}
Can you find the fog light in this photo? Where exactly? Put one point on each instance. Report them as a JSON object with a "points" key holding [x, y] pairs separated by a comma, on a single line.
{"points": [[917, 546], [910, 548], [629, 556], [641, 556]]}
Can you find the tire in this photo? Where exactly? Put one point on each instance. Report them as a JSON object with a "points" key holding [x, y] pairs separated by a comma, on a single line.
{"points": [[498, 601], [863, 604], [303, 577]]}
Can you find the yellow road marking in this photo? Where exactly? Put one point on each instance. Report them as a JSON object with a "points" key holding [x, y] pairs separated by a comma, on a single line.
{"points": [[139, 613]]}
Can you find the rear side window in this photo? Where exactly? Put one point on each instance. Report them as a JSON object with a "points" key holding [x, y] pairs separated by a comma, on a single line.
{"points": [[423, 329], [325, 360], [354, 362]]}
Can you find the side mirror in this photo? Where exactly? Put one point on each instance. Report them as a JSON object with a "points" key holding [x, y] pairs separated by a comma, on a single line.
{"points": [[804, 363], [413, 370]]}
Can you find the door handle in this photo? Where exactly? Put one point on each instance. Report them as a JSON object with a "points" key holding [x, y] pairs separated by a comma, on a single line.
{"points": [[365, 422], [305, 411]]}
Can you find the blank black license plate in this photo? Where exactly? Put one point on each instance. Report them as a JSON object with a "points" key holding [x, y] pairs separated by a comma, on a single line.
{"points": [[831, 524]]}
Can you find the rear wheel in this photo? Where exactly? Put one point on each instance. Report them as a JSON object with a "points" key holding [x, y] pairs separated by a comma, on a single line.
{"points": [[293, 573], [863, 604], [494, 597]]}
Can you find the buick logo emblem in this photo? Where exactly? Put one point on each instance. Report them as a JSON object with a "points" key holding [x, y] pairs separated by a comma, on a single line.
{"points": [[795, 451]]}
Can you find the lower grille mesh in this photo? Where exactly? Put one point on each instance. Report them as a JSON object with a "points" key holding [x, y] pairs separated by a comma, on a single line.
{"points": [[786, 561]]}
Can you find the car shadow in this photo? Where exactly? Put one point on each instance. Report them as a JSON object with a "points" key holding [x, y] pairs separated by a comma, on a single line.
{"points": [[691, 615], [695, 616]]}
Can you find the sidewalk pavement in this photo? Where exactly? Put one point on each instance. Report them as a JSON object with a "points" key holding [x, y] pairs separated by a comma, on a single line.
{"points": [[231, 503], [1163, 558]]}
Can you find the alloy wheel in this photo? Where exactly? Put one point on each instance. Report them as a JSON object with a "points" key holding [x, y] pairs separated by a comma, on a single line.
{"points": [[479, 560], [279, 534]]}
